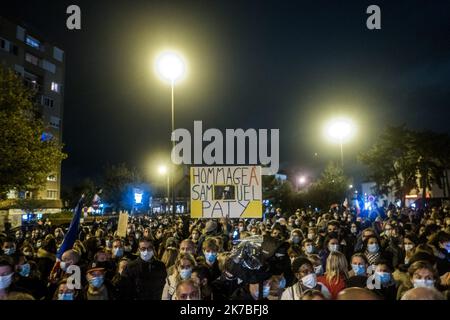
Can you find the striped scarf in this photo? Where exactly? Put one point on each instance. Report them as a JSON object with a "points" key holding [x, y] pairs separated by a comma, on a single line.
{"points": [[372, 257]]}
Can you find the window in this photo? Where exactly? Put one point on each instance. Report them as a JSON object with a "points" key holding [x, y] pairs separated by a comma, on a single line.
{"points": [[52, 194], [51, 177], [55, 87], [58, 54], [32, 59], [46, 101], [15, 50], [4, 44], [50, 67], [32, 42], [54, 122]]}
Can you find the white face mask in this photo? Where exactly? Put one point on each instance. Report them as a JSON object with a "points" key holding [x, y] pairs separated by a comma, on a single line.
{"points": [[146, 255], [422, 283], [310, 236], [318, 269], [409, 247], [5, 281], [310, 280], [333, 247], [309, 248]]}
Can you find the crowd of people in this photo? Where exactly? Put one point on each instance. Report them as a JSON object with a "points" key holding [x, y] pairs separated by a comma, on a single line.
{"points": [[341, 254]]}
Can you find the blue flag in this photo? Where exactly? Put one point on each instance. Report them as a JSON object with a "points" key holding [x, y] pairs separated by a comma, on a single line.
{"points": [[72, 233]]}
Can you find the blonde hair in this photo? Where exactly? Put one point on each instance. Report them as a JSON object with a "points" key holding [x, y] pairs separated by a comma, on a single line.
{"points": [[169, 257], [336, 267], [181, 257], [221, 259]]}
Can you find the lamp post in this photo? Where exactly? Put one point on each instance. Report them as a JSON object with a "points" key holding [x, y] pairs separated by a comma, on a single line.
{"points": [[171, 68], [340, 130], [162, 170]]}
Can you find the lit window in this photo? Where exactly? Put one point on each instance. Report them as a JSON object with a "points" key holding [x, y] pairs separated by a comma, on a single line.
{"points": [[52, 194], [55, 87], [32, 42], [51, 177], [31, 59]]}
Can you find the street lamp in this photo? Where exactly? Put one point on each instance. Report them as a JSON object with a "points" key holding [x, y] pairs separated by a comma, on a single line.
{"points": [[171, 67], [162, 170], [340, 130], [301, 181]]}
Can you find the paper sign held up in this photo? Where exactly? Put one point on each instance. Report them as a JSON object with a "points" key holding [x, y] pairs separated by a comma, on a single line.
{"points": [[234, 192]]}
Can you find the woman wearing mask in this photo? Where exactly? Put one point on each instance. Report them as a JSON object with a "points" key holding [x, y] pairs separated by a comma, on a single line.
{"points": [[182, 271], [358, 272], [27, 277], [278, 284], [421, 274], [306, 280], [317, 264], [296, 237], [331, 244], [372, 250], [336, 273]]}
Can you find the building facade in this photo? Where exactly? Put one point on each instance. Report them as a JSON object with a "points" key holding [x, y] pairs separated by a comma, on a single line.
{"points": [[42, 67]]}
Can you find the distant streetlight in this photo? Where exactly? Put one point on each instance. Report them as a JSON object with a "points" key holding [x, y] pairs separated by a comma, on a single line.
{"points": [[302, 180], [350, 186], [340, 130], [162, 170], [171, 67]]}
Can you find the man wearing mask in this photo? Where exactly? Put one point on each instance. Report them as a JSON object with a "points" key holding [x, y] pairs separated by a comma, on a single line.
{"points": [[143, 278], [9, 248], [69, 258], [98, 287], [251, 291], [210, 250]]}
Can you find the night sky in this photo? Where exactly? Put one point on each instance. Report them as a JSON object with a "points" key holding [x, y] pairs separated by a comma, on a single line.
{"points": [[252, 64]]}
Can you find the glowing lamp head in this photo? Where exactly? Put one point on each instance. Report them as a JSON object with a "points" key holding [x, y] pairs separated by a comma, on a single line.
{"points": [[170, 66], [162, 170], [302, 180], [340, 130]]}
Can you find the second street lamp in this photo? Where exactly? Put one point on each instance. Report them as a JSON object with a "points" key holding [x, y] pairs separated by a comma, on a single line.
{"points": [[171, 68], [340, 130], [162, 170]]}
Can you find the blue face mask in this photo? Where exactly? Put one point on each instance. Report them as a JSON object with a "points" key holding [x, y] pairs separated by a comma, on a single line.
{"points": [[383, 277], [118, 252], [96, 282], [359, 270], [282, 283], [373, 248], [210, 257], [9, 251], [65, 296], [266, 291], [185, 273], [25, 270]]}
